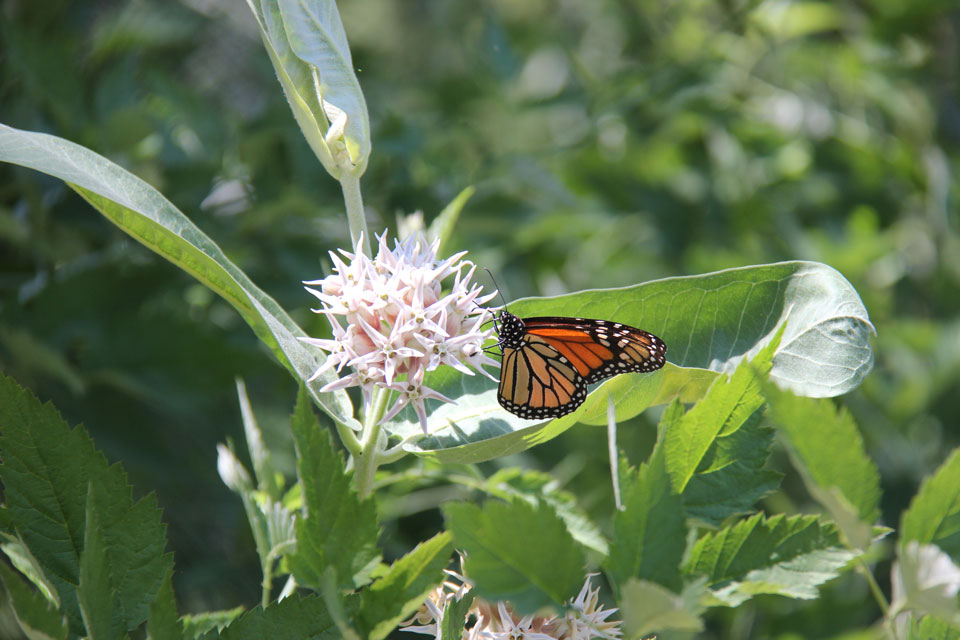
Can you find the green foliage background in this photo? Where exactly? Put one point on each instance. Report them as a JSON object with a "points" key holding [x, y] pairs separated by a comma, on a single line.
{"points": [[610, 143]]}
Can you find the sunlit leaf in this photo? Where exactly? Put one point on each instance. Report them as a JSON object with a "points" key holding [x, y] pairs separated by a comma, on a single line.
{"points": [[141, 211], [543, 566], [710, 324], [934, 513], [778, 555]]}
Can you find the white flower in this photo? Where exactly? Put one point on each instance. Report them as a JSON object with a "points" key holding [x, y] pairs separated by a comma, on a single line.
{"points": [[583, 619], [399, 324], [232, 471]]}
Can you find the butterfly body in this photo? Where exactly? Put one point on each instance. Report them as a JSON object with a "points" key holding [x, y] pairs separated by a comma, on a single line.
{"points": [[549, 361]]}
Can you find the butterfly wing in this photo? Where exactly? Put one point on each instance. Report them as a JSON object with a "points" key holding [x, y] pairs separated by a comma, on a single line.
{"points": [[599, 349], [537, 382]]}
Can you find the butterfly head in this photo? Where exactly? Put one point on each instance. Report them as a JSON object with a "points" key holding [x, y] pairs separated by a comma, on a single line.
{"points": [[510, 330]]}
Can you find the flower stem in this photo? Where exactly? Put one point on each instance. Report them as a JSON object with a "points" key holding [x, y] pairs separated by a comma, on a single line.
{"points": [[874, 587], [366, 462], [350, 184]]}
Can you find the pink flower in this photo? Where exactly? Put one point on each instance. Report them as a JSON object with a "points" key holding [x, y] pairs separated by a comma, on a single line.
{"points": [[400, 323]]}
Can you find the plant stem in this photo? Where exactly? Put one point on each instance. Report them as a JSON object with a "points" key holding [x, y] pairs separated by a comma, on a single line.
{"points": [[349, 438], [350, 184], [267, 583], [366, 462], [874, 587]]}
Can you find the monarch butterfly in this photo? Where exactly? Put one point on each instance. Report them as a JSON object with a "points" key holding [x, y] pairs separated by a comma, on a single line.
{"points": [[549, 361]]}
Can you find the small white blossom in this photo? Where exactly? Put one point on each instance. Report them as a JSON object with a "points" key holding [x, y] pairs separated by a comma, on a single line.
{"points": [[399, 324], [584, 618], [232, 471]]}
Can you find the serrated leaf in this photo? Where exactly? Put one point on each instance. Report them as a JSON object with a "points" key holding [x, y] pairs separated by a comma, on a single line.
{"points": [[336, 529], [826, 447], [728, 404], [46, 474], [37, 616], [95, 593], [163, 623], [649, 535], [397, 594], [455, 617], [780, 555], [731, 478], [648, 607], [201, 625], [709, 322], [934, 513], [541, 567], [143, 213], [533, 486], [294, 618]]}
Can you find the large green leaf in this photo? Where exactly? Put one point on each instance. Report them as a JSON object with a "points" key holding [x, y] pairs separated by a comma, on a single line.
{"points": [[777, 555], [710, 324], [336, 529], [517, 552], [827, 449], [143, 213], [649, 535], [308, 48], [55, 482]]}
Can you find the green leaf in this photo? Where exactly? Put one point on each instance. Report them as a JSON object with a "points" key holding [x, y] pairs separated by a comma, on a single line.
{"points": [[934, 514], [729, 403], [308, 48], [25, 563], [709, 322], [777, 555], [534, 486], [293, 618], [263, 469], [47, 471], [95, 592], [933, 628], [648, 607], [143, 213], [204, 624], [396, 595], [517, 552], [649, 535], [455, 617], [826, 447], [37, 616], [162, 620], [336, 529], [442, 226]]}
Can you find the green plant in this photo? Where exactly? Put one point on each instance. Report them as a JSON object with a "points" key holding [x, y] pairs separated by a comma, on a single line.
{"points": [[681, 543]]}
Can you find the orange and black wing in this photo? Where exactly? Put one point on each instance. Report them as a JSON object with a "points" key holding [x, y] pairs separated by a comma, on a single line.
{"points": [[536, 382], [549, 361], [599, 349]]}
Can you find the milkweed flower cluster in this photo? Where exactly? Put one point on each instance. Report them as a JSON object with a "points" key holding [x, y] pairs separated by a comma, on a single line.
{"points": [[397, 322], [584, 618]]}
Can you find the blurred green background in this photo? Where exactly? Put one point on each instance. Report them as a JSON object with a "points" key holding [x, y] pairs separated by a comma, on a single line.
{"points": [[610, 142]]}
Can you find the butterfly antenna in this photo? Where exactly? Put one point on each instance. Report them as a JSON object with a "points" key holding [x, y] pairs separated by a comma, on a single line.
{"points": [[489, 273]]}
